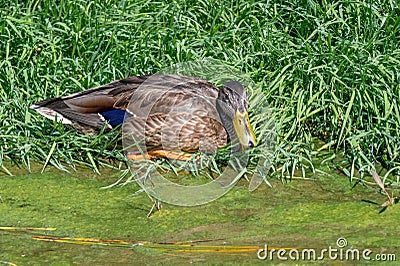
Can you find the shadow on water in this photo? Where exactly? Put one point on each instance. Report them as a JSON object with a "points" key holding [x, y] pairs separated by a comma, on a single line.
{"points": [[109, 226]]}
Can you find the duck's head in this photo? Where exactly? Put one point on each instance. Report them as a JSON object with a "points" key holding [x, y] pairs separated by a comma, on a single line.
{"points": [[232, 107]]}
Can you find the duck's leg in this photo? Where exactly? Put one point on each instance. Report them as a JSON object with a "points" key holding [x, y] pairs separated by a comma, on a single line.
{"points": [[138, 157], [154, 154]]}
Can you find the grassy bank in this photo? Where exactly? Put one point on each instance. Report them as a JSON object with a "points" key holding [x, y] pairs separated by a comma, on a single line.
{"points": [[329, 71]]}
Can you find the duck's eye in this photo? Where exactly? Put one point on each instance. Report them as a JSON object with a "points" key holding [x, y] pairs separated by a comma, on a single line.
{"points": [[251, 144]]}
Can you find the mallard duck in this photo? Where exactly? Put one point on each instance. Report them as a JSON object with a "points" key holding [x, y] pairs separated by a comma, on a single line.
{"points": [[173, 115]]}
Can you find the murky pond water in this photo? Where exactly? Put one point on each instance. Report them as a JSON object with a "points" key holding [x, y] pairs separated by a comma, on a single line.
{"points": [[301, 214]]}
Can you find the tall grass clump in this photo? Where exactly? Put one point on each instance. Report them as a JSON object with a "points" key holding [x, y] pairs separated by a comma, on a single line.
{"points": [[330, 71]]}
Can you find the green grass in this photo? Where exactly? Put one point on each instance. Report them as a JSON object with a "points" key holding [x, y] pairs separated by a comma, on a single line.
{"points": [[329, 71]]}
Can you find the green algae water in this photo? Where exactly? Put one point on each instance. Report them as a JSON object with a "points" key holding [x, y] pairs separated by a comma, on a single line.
{"points": [[87, 225]]}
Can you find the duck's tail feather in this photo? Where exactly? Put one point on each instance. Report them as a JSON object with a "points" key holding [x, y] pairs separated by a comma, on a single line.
{"points": [[57, 109]]}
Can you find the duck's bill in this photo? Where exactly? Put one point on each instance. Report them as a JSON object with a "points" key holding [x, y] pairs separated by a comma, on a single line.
{"points": [[244, 130]]}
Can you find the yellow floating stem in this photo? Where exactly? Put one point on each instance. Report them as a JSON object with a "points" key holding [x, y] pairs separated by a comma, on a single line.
{"points": [[175, 247], [12, 228], [85, 241]]}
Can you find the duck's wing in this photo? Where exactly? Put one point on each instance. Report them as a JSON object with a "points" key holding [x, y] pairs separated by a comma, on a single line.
{"points": [[138, 96], [89, 110]]}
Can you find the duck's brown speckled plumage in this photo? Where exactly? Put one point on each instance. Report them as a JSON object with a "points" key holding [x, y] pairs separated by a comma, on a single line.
{"points": [[172, 112]]}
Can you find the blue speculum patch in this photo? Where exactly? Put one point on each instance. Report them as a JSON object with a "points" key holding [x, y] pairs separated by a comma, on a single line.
{"points": [[115, 117]]}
